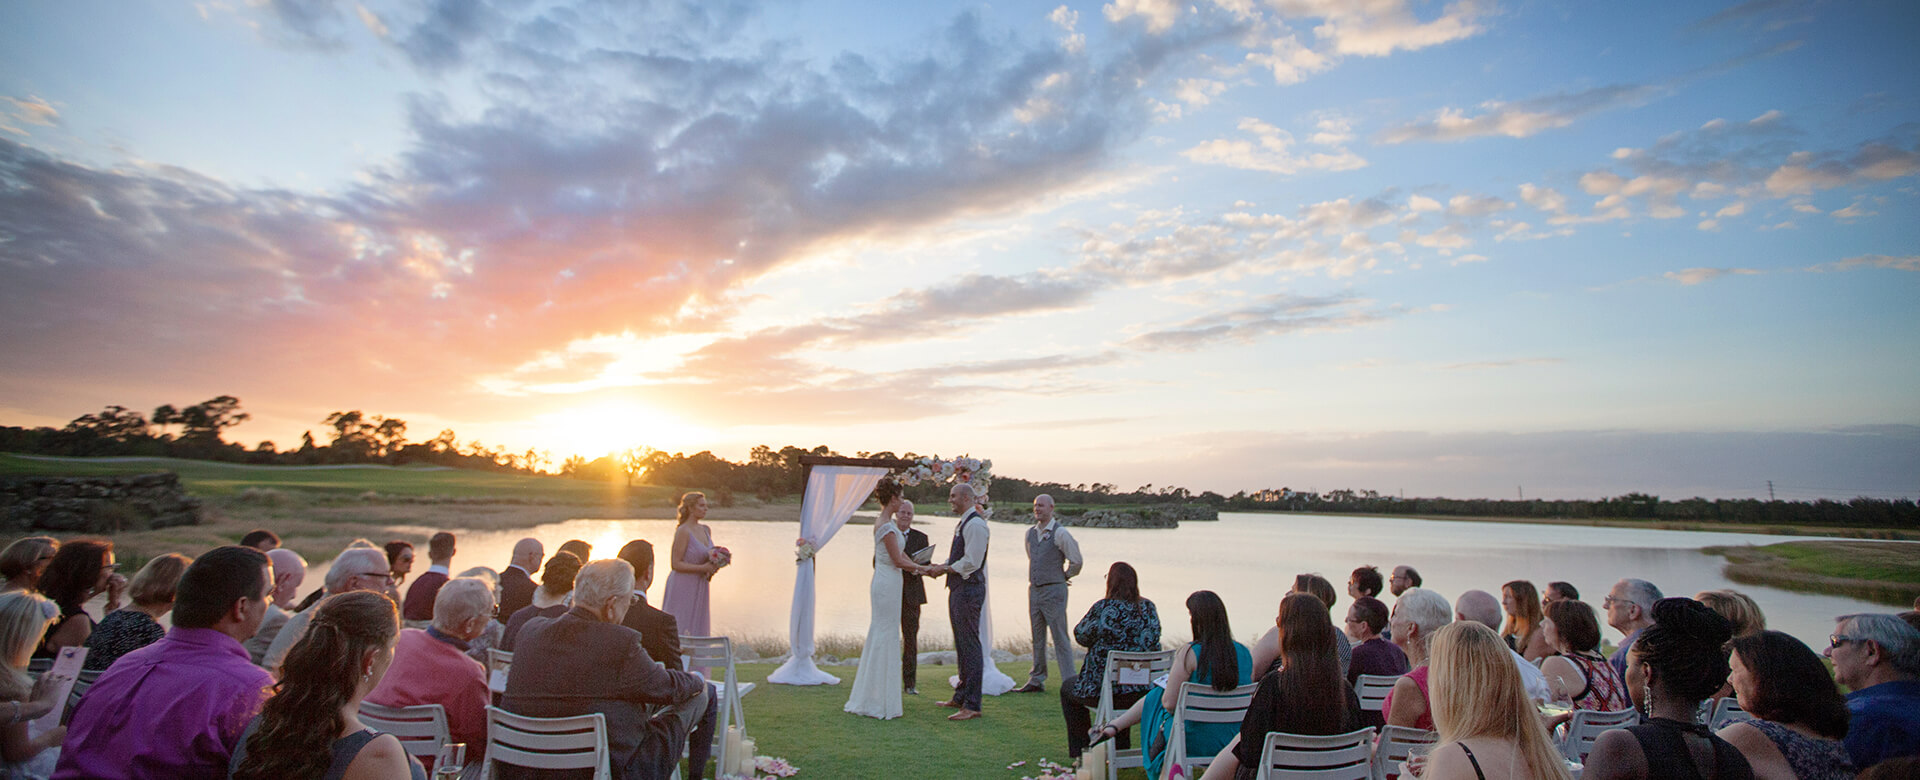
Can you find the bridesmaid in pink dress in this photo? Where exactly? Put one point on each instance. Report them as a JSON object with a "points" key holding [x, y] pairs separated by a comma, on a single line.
{"points": [[686, 590]]}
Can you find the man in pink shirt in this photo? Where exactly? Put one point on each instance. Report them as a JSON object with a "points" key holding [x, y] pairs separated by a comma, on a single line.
{"points": [[176, 708], [432, 667]]}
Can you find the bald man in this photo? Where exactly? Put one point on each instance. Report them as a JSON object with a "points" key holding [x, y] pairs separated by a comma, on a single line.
{"points": [[966, 572], [1053, 558], [516, 581], [1484, 608]]}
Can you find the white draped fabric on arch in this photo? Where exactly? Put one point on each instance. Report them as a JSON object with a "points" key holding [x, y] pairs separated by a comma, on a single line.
{"points": [[832, 495]]}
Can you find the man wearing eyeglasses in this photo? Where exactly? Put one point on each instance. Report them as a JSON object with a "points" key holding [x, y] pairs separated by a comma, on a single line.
{"points": [[1878, 657], [1629, 609], [358, 568]]}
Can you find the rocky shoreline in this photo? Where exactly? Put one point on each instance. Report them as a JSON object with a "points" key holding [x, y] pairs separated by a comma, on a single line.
{"points": [[96, 505], [1157, 516]]}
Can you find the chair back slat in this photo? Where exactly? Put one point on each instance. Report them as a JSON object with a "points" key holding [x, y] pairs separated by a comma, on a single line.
{"points": [[710, 653], [1158, 662], [1587, 725], [1346, 756], [1394, 745], [1372, 690], [421, 729], [575, 742], [1726, 712], [1200, 703]]}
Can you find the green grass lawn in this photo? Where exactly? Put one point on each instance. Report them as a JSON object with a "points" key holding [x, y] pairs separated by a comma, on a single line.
{"points": [[210, 478], [805, 726], [1886, 572]]}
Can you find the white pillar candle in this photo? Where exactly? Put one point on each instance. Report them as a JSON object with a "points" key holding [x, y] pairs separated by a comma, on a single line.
{"points": [[746, 756], [731, 749]]}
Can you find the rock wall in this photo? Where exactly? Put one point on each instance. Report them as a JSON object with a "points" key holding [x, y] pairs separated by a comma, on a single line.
{"points": [[95, 505], [1160, 516]]}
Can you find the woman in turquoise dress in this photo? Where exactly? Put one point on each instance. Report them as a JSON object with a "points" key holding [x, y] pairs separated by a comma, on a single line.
{"points": [[1212, 658]]}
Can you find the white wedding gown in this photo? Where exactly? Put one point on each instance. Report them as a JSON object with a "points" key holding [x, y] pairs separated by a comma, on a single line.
{"points": [[876, 686]]}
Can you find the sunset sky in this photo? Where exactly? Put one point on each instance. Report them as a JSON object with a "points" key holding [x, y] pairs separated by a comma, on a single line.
{"points": [[1462, 248]]}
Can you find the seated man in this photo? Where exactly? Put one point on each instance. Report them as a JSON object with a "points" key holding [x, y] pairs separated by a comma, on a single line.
{"points": [[432, 667], [356, 568], [1484, 608], [176, 708], [585, 661], [289, 570], [1878, 657], [660, 635], [420, 595]]}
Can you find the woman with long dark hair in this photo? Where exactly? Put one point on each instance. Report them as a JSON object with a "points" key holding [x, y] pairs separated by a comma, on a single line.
{"points": [[1121, 621], [1676, 663], [80, 570], [311, 727], [1799, 716], [1307, 695], [1212, 658]]}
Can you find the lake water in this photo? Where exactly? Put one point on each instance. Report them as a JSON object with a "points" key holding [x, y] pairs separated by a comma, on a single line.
{"points": [[1249, 559]]}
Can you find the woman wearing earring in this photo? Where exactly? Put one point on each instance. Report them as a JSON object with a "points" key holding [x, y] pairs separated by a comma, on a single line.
{"points": [[1675, 664], [685, 597], [311, 727]]}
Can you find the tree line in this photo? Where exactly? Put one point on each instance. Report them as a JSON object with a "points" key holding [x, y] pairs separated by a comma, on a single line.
{"points": [[198, 431]]}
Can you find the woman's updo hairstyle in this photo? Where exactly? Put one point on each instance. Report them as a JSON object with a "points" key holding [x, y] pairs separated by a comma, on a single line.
{"points": [[687, 500], [1687, 645], [886, 491]]}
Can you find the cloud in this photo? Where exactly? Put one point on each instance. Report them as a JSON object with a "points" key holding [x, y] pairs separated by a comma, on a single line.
{"points": [[1269, 316], [1907, 263], [1805, 173], [1159, 15], [1519, 119], [1377, 29], [1693, 276], [1271, 150], [31, 110]]}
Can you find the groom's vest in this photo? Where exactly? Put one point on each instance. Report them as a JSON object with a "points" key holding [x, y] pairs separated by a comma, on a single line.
{"points": [[979, 576], [1046, 565]]}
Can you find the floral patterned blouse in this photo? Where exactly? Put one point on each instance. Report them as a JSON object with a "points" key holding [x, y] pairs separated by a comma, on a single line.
{"points": [[1811, 758], [1113, 624], [121, 632]]}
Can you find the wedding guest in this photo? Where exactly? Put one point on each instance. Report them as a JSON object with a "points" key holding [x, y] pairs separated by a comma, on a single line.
{"points": [[432, 667], [289, 571], [686, 592], [1557, 591], [311, 727], [579, 547], [1306, 696], [661, 639], [1481, 607], [1483, 713], [516, 581], [1676, 663], [1878, 658], [1364, 582], [321, 592], [356, 568], [489, 637], [1416, 615], [1266, 651], [1737, 608], [80, 570], [176, 708], [1577, 672], [421, 595], [400, 561], [24, 618], [1371, 653], [1799, 716], [1522, 630], [1912, 617], [261, 539], [1121, 621], [1212, 658], [1404, 577], [126, 630], [550, 601], [1053, 560], [589, 662], [913, 594], [1629, 609], [23, 561]]}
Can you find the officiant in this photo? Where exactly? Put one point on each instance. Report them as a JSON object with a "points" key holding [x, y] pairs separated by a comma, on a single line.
{"points": [[913, 593]]}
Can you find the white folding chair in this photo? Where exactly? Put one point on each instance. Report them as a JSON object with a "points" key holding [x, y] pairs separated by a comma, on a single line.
{"points": [[1372, 690], [81, 682], [1586, 726], [1727, 711], [1154, 663], [1200, 703], [711, 652], [422, 728], [1395, 743], [499, 663], [1301, 757], [577, 742]]}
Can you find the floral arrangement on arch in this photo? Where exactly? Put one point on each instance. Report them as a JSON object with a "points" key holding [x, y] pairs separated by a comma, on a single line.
{"points": [[972, 471]]}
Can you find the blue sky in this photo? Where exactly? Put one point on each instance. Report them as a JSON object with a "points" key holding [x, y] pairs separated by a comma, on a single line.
{"points": [[1456, 248]]}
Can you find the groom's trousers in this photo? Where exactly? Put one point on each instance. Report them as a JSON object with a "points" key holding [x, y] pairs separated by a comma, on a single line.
{"points": [[963, 610]]}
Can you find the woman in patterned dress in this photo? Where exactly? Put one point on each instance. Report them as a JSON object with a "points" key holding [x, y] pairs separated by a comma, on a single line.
{"points": [[1121, 621], [1576, 672], [1799, 715]]}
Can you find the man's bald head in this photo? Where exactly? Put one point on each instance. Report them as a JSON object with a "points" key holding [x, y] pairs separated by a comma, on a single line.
{"points": [[1480, 607], [528, 553], [1042, 508]]}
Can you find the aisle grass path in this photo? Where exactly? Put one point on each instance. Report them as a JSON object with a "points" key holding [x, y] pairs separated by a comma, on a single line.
{"points": [[805, 726]]}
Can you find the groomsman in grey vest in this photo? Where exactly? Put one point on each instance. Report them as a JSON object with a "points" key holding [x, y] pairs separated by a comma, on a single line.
{"points": [[1053, 558]]}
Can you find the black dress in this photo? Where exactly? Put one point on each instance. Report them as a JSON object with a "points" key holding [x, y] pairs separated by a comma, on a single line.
{"points": [[121, 632], [1664, 743]]}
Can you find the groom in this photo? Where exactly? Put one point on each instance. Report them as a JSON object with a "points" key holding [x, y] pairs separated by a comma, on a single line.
{"points": [[967, 593]]}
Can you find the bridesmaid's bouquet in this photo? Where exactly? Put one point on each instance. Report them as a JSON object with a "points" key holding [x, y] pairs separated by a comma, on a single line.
{"points": [[720, 556]]}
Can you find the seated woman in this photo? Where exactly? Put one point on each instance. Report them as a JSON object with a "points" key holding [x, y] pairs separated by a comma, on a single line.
{"points": [[1522, 630], [1212, 658], [1307, 695], [311, 726], [1416, 615], [1577, 672], [549, 600], [1481, 708], [1738, 608], [1266, 651], [123, 631], [1121, 621], [1799, 715], [24, 618], [80, 570], [1676, 663], [1371, 654]]}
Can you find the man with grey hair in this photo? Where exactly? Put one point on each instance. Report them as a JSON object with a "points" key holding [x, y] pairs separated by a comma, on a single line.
{"points": [[966, 572], [1878, 657], [432, 667], [1482, 607], [289, 571], [516, 581], [585, 661], [1629, 609], [1053, 558], [357, 568]]}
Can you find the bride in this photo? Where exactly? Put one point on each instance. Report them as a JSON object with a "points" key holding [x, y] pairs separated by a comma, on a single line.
{"points": [[876, 686]]}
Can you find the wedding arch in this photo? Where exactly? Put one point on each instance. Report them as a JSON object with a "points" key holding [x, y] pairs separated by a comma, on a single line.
{"points": [[836, 487]]}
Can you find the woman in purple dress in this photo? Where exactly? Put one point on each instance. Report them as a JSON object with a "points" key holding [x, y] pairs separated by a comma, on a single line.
{"points": [[694, 564]]}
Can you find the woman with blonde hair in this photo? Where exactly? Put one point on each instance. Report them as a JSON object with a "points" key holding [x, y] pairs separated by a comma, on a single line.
{"points": [[23, 561], [123, 631], [1488, 725], [1522, 630], [24, 617], [1738, 608], [694, 563]]}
